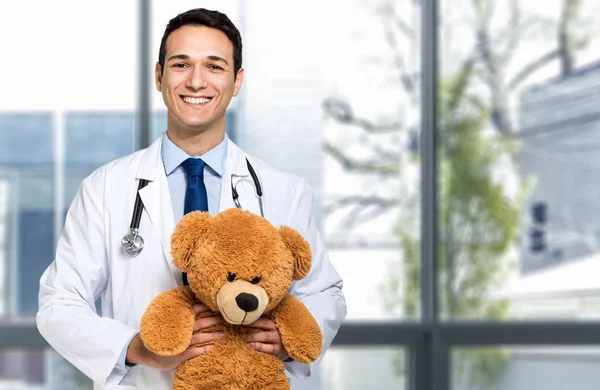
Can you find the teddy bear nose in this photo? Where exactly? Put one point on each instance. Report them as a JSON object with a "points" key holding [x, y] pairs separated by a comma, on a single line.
{"points": [[247, 302]]}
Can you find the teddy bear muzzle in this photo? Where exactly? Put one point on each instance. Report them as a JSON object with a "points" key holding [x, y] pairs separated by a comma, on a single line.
{"points": [[241, 302]]}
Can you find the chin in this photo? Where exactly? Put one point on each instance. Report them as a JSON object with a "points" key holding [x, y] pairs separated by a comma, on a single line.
{"points": [[193, 126]]}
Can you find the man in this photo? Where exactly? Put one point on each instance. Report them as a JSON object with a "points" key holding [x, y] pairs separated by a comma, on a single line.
{"points": [[198, 72]]}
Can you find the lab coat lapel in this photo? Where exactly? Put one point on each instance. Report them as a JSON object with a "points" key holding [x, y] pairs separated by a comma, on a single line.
{"points": [[236, 165], [157, 199]]}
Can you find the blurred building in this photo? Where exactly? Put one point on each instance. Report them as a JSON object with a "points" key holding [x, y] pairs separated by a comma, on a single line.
{"points": [[560, 143], [559, 251]]}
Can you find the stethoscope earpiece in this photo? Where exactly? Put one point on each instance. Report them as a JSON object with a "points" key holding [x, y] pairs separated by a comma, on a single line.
{"points": [[257, 188]]}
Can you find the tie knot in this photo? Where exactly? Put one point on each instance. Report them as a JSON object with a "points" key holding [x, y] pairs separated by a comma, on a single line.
{"points": [[194, 167]]}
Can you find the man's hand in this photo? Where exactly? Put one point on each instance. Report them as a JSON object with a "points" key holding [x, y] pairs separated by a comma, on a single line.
{"points": [[137, 353], [268, 339]]}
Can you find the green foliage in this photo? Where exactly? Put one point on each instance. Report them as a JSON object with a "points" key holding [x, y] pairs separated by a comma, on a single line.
{"points": [[477, 225], [479, 367]]}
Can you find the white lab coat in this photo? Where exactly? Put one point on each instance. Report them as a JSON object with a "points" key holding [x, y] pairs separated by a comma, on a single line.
{"points": [[90, 263]]}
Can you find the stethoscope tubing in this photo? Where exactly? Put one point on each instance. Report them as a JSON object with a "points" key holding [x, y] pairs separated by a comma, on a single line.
{"points": [[130, 238], [138, 207]]}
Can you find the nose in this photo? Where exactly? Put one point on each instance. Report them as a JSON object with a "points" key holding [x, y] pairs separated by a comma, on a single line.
{"points": [[247, 302], [196, 81]]}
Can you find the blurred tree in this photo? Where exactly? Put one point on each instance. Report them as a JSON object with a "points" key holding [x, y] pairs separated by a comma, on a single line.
{"points": [[477, 219]]}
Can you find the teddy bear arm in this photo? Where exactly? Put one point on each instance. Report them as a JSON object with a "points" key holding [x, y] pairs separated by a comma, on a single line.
{"points": [[167, 325], [300, 333]]}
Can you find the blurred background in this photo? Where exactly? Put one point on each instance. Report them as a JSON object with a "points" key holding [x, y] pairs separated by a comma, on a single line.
{"points": [[333, 91]]}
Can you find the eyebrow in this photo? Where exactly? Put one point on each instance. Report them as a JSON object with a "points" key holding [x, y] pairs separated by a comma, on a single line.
{"points": [[186, 57], [217, 58]]}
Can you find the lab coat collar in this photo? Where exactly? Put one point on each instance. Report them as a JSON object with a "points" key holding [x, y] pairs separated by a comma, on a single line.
{"points": [[151, 162], [157, 200]]}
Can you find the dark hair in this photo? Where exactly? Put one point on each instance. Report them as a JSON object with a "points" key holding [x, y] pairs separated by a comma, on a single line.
{"points": [[204, 17]]}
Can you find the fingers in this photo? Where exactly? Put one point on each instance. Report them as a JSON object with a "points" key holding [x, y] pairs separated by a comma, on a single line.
{"points": [[272, 349], [276, 350], [263, 337], [206, 322], [263, 323], [200, 338], [196, 351], [199, 308]]}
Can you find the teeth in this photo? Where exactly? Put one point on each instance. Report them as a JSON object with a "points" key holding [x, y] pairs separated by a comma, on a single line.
{"points": [[192, 100]]}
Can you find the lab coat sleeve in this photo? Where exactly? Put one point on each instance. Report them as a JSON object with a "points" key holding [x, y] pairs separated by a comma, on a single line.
{"points": [[67, 316], [321, 289]]}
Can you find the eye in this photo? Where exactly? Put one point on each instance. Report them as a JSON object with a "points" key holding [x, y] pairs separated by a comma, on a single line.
{"points": [[255, 280], [230, 276], [215, 67]]}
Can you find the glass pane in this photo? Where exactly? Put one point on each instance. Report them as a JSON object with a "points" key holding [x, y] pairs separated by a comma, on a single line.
{"points": [[38, 369], [68, 103], [93, 139], [26, 204], [362, 368], [518, 215], [55, 128], [371, 179], [526, 368]]}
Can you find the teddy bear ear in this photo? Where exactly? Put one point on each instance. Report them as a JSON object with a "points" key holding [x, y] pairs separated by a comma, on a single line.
{"points": [[189, 233], [300, 249]]}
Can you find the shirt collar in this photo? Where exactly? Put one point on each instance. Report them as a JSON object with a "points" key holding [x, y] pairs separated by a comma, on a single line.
{"points": [[173, 156]]}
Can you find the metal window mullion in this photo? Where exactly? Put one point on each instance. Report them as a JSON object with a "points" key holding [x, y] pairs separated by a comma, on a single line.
{"points": [[429, 295], [379, 334], [428, 363], [419, 363], [441, 364], [431, 362], [521, 333], [143, 103], [20, 334]]}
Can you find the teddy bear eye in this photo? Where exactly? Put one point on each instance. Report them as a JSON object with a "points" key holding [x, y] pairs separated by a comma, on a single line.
{"points": [[255, 280], [230, 276]]}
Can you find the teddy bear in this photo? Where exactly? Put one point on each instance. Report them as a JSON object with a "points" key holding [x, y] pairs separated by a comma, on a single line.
{"points": [[240, 266]]}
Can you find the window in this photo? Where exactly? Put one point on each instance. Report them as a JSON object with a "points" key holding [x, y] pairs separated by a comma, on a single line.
{"points": [[452, 148], [68, 80]]}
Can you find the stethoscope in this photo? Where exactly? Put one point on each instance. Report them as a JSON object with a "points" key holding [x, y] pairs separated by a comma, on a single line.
{"points": [[133, 241]]}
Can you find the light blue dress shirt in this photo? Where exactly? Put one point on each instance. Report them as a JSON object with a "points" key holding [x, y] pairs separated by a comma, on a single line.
{"points": [[176, 177], [172, 157]]}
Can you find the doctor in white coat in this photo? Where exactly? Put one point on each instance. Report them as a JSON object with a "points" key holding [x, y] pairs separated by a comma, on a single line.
{"points": [[198, 72]]}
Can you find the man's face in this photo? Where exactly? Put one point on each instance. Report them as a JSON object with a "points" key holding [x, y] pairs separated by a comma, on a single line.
{"points": [[197, 82]]}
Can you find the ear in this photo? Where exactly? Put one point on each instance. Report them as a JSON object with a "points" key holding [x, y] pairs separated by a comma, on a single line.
{"points": [[300, 249], [158, 77], [188, 234], [239, 78]]}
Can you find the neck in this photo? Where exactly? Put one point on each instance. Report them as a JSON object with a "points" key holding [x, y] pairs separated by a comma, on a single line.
{"points": [[196, 143]]}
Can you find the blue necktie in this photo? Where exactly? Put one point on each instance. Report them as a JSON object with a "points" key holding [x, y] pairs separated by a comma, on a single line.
{"points": [[195, 193]]}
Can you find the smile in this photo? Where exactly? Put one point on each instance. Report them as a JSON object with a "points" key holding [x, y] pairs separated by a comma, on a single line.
{"points": [[196, 101]]}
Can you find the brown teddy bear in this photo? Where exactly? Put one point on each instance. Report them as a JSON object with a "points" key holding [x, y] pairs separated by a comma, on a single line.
{"points": [[240, 265]]}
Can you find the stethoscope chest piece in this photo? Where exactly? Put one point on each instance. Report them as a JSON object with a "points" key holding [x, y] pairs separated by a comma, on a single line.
{"points": [[133, 242]]}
